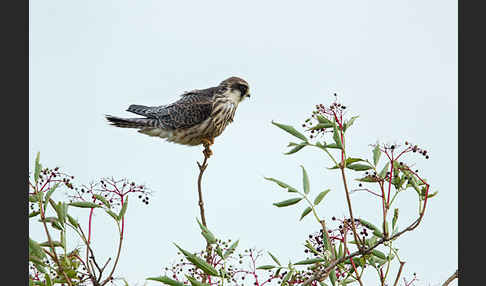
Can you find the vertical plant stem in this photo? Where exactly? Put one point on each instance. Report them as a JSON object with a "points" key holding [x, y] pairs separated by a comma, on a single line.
{"points": [[202, 168]]}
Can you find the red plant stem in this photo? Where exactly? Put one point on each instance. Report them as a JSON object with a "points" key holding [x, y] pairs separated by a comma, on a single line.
{"points": [[254, 267], [352, 263], [47, 181], [123, 220]]}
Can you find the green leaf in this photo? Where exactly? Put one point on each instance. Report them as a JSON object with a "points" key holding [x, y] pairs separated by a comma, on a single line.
{"points": [[123, 209], [72, 221], [341, 250], [38, 167], [337, 137], [36, 249], [231, 249], [395, 217], [333, 145], [288, 202], [378, 254], [305, 180], [358, 167], [368, 179], [34, 214], [48, 280], [266, 267], [290, 130], [282, 184], [311, 248], [323, 119], [61, 212], [103, 200], [321, 196], [349, 123], [194, 282], [199, 263], [287, 277], [84, 205], [433, 194], [296, 148], [166, 280], [48, 195], [206, 233], [383, 171], [371, 226], [376, 154], [310, 261], [54, 243], [321, 126], [332, 277], [219, 251], [274, 258], [305, 212], [112, 214]]}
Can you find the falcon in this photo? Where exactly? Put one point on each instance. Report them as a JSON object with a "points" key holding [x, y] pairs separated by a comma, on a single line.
{"points": [[196, 118]]}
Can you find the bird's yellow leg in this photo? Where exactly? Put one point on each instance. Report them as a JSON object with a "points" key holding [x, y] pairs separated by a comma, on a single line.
{"points": [[207, 142]]}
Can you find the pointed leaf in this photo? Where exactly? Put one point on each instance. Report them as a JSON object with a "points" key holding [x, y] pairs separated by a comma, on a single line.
{"points": [[333, 145], [321, 196], [282, 184], [349, 123], [376, 154], [194, 282], [290, 130], [323, 119], [112, 214], [332, 277], [358, 167], [84, 205], [321, 126], [288, 202], [305, 212], [102, 199], [48, 195], [310, 261], [383, 171], [305, 181], [208, 235], [337, 137], [123, 209], [296, 149], [231, 249], [166, 280], [38, 167], [199, 263], [274, 258], [266, 267]]}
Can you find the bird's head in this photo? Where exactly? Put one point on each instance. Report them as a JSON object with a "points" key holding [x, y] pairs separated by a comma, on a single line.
{"points": [[237, 88]]}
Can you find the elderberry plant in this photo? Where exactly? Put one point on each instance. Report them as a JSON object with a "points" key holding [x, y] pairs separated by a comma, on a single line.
{"points": [[57, 260], [341, 255]]}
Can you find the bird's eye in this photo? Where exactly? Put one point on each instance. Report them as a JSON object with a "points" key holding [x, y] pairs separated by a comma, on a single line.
{"points": [[242, 88]]}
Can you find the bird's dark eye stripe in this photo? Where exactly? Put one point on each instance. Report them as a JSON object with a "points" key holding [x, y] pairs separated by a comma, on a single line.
{"points": [[241, 87]]}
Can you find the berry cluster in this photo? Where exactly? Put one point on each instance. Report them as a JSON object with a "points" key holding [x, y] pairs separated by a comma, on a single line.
{"points": [[319, 121], [112, 190]]}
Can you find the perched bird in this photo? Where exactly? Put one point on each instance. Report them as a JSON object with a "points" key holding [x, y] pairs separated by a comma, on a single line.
{"points": [[196, 118]]}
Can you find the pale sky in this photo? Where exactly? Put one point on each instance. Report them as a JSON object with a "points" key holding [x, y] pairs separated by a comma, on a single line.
{"points": [[393, 63]]}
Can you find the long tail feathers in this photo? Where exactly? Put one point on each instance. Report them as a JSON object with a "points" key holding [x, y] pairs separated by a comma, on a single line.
{"points": [[138, 109], [131, 122]]}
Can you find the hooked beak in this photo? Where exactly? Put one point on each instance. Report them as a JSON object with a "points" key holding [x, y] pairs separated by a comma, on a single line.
{"points": [[248, 95]]}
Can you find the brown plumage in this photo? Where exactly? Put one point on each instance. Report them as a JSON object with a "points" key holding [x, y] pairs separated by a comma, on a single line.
{"points": [[196, 118]]}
